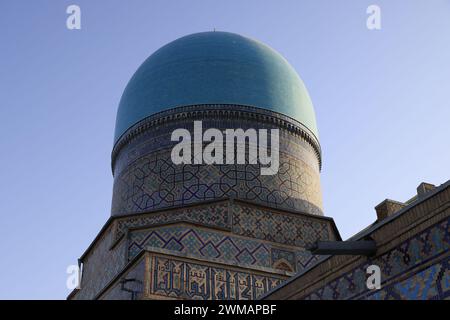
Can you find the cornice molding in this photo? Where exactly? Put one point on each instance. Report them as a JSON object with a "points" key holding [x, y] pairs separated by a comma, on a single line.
{"points": [[207, 111]]}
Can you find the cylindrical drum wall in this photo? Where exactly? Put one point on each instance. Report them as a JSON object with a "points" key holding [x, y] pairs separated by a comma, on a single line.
{"points": [[146, 178]]}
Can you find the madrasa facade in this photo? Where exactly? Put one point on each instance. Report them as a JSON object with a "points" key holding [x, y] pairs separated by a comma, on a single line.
{"points": [[225, 230]]}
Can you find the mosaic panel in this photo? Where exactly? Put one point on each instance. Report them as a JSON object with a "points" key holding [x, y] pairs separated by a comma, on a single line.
{"points": [[249, 221], [433, 283], [217, 245], [154, 181], [430, 244], [305, 259], [209, 244], [215, 215], [185, 280], [277, 227]]}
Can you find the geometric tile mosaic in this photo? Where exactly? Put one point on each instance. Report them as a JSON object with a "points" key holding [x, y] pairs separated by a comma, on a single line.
{"points": [[153, 181], [278, 227], [245, 220], [252, 223], [214, 215], [433, 283], [433, 244], [211, 244]]}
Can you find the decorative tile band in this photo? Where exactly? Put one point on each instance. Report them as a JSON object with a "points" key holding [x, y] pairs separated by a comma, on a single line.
{"points": [[214, 215], [433, 283], [154, 181], [415, 252], [216, 111], [218, 246], [183, 280]]}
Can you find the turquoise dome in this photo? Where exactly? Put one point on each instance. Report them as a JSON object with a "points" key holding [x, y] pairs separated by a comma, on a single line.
{"points": [[214, 68]]}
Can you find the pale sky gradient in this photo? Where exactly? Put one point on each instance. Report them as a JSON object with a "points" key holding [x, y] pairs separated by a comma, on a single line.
{"points": [[381, 100]]}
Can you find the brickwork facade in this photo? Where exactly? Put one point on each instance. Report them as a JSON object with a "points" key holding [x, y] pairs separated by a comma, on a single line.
{"points": [[263, 246], [413, 256]]}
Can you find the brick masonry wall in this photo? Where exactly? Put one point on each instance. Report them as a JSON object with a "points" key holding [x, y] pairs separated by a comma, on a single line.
{"points": [[101, 265], [413, 255]]}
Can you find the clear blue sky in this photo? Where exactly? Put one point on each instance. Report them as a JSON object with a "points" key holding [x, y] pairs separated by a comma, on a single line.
{"points": [[381, 100]]}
